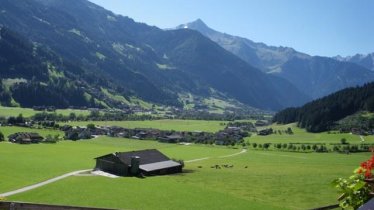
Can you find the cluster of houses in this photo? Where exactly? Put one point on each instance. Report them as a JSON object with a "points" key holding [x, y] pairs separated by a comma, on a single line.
{"points": [[232, 134], [224, 137], [44, 108], [25, 138], [362, 132]]}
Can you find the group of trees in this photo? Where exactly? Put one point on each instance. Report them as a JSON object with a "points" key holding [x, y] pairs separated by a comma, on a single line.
{"points": [[321, 115], [19, 120], [343, 147], [204, 115], [5, 97], [60, 94]]}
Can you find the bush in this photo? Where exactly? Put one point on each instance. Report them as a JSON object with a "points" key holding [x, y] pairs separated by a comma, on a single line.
{"points": [[91, 126], [2, 136], [50, 139], [355, 191]]}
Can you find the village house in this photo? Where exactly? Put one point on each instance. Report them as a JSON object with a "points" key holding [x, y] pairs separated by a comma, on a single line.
{"points": [[173, 138], [229, 135], [25, 138], [260, 123], [135, 163], [358, 131], [265, 132]]}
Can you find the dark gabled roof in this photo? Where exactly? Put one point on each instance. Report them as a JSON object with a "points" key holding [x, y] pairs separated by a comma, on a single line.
{"points": [[146, 156], [159, 165], [26, 136], [35, 136], [174, 136], [110, 157]]}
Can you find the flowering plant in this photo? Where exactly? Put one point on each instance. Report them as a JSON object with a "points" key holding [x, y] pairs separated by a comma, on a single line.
{"points": [[366, 167], [357, 189]]}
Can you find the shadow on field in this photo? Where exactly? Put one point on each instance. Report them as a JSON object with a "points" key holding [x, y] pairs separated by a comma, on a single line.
{"points": [[184, 172]]}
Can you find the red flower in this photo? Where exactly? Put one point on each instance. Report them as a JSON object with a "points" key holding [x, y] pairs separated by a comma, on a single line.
{"points": [[368, 174], [366, 167]]}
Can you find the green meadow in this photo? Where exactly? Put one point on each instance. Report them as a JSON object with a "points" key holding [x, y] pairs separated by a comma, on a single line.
{"points": [[258, 179], [27, 112], [301, 136], [7, 130], [178, 125]]}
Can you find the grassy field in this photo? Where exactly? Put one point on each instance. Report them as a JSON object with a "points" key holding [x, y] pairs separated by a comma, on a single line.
{"points": [[258, 180], [44, 132], [178, 125], [301, 136], [26, 112], [67, 156]]}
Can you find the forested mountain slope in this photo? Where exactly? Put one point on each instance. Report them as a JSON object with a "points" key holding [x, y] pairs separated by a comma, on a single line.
{"points": [[33, 76], [141, 60], [321, 114]]}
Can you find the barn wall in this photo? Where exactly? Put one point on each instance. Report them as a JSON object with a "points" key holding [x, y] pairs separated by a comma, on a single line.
{"points": [[112, 167]]}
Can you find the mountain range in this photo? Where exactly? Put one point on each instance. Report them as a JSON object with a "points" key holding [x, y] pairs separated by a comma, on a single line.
{"points": [[315, 76], [136, 60], [366, 61], [99, 59]]}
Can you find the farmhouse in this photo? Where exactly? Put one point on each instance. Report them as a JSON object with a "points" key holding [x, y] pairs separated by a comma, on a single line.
{"points": [[265, 132], [25, 138], [174, 138], [146, 162], [260, 123]]}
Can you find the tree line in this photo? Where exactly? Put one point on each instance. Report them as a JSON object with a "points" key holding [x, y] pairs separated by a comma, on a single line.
{"points": [[322, 114]]}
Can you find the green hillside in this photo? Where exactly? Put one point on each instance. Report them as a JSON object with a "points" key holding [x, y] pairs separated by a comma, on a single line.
{"points": [[323, 114], [127, 58]]}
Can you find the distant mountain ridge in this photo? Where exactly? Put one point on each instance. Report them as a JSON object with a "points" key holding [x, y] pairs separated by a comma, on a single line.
{"points": [[314, 76], [366, 61], [135, 59], [267, 58]]}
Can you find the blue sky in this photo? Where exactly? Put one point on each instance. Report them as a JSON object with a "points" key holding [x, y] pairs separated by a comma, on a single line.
{"points": [[316, 27]]}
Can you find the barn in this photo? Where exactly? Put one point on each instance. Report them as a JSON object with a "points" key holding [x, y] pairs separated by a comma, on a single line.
{"points": [[25, 138], [146, 162]]}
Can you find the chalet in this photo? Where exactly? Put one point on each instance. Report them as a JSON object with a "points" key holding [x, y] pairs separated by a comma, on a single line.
{"points": [[233, 128], [265, 132], [357, 131], [140, 135], [146, 162], [260, 123], [25, 138], [173, 138]]}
